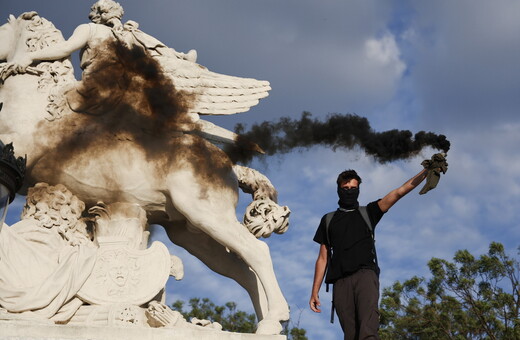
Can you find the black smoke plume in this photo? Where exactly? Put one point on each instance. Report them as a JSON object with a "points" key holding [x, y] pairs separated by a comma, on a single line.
{"points": [[337, 131]]}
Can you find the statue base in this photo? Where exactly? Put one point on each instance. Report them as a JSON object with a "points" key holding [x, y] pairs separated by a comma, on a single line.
{"points": [[29, 330]]}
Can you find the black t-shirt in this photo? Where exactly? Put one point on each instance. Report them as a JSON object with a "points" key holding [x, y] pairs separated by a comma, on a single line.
{"points": [[351, 240]]}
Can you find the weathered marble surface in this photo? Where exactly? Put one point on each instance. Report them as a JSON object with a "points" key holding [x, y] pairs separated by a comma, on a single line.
{"points": [[29, 331], [47, 257], [54, 267], [108, 137]]}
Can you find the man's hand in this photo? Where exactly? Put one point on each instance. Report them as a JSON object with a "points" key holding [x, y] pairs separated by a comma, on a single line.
{"points": [[315, 304]]}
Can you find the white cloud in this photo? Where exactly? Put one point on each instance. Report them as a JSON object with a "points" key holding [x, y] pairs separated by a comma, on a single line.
{"points": [[463, 206], [385, 53], [410, 35], [465, 57]]}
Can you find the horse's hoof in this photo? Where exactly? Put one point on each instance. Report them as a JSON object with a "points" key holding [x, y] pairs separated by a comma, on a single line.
{"points": [[269, 327]]}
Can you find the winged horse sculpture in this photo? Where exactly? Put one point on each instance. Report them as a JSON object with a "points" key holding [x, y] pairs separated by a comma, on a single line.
{"points": [[130, 131]]}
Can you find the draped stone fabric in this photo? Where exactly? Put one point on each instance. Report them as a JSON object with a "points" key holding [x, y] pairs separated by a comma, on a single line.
{"points": [[40, 272]]}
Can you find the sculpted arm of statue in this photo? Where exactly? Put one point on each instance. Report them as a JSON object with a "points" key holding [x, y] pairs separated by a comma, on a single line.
{"points": [[395, 195], [319, 274], [4, 50], [77, 40], [6, 42]]}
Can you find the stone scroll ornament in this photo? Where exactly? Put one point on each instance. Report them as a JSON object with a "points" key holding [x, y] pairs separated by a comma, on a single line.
{"points": [[108, 137]]}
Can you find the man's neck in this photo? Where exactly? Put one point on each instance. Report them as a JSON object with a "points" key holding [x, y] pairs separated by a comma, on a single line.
{"points": [[346, 210]]}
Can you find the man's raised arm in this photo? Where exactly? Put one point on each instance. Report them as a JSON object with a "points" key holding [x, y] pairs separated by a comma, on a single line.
{"points": [[395, 195]]}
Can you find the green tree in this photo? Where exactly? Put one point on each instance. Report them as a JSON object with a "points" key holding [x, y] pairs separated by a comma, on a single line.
{"points": [[229, 317], [469, 298], [292, 329]]}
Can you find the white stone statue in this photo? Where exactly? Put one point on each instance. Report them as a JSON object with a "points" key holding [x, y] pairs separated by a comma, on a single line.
{"points": [[46, 257], [52, 268], [129, 131]]}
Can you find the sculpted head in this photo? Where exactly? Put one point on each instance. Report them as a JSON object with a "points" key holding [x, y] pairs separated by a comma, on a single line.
{"points": [[56, 206], [106, 12], [118, 270]]}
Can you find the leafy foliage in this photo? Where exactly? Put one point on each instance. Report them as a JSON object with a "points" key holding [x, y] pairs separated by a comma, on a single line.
{"points": [[469, 298], [292, 331], [228, 316], [231, 319]]}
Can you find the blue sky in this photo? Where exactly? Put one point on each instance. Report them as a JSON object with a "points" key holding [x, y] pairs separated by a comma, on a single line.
{"points": [[442, 66]]}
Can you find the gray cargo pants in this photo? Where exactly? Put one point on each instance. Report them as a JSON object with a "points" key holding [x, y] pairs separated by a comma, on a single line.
{"points": [[356, 301]]}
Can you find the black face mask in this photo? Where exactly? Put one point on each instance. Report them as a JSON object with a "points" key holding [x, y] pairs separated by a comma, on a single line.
{"points": [[348, 198]]}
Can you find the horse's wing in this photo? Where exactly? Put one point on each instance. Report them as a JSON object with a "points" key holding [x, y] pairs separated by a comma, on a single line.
{"points": [[214, 93]]}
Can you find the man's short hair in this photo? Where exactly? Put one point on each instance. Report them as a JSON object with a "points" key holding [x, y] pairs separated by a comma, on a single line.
{"points": [[346, 176]]}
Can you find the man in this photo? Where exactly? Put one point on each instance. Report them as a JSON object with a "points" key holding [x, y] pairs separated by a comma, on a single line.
{"points": [[353, 268]]}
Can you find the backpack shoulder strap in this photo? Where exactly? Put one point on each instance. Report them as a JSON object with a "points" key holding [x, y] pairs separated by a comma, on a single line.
{"points": [[364, 213], [328, 218]]}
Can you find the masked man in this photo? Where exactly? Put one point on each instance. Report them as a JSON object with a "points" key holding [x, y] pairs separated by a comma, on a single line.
{"points": [[346, 240]]}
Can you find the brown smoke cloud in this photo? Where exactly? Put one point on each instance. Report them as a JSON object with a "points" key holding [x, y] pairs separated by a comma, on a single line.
{"points": [[337, 131], [125, 98]]}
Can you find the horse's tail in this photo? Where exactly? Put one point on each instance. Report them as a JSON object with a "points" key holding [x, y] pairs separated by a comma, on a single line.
{"points": [[263, 216]]}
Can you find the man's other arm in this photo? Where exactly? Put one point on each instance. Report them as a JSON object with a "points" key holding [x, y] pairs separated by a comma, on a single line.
{"points": [[319, 274]]}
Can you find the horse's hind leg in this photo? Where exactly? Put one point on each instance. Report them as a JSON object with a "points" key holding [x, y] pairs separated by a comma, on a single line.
{"points": [[214, 214], [255, 253], [221, 261]]}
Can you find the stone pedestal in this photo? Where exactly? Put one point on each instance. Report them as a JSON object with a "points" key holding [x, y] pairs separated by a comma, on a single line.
{"points": [[29, 330]]}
